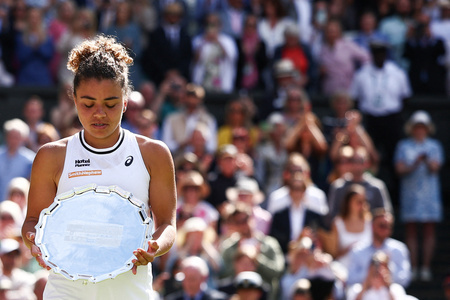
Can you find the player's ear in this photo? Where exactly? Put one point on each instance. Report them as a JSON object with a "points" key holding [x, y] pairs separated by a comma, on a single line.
{"points": [[125, 105]]}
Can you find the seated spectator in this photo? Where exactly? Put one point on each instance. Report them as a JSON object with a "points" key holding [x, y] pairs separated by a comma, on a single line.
{"points": [[33, 112], [18, 192], [307, 260], [288, 223], [247, 191], [46, 133], [305, 136], [249, 286], [285, 76], [244, 158], [341, 164], [338, 58], [215, 58], [252, 57], [314, 198], [271, 155], [178, 127], [196, 238], [376, 191], [301, 290], [147, 124], [41, 281], [269, 257], [136, 104], [192, 190], [352, 226], [21, 282], [194, 273], [360, 257], [11, 219], [418, 160], [223, 176], [243, 261], [15, 158], [238, 114], [34, 51], [378, 282]]}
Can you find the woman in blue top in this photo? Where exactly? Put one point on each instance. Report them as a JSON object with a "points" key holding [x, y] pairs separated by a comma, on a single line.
{"points": [[418, 160]]}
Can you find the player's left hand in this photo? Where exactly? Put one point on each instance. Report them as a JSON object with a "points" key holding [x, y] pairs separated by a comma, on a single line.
{"points": [[144, 257]]}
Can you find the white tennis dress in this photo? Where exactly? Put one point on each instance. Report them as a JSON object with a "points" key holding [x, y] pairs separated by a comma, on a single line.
{"points": [[121, 165]]}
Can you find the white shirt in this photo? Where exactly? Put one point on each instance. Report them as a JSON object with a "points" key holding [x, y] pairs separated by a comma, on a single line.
{"points": [[315, 200], [380, 92], [273, 36], [397, 291], [297, 215]]}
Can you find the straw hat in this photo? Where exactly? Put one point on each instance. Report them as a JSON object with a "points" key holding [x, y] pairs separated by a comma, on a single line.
{"points": [[195, 179]]}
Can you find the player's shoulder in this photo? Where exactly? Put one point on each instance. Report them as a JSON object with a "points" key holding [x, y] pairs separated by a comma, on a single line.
{"points": [[53, 148], [149, 144]]}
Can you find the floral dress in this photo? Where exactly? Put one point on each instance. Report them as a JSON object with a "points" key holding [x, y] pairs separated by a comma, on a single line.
{"points": [[420, 191]]}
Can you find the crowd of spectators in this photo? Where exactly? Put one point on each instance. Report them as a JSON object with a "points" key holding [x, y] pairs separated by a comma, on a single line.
{"points": [[273, 201]]}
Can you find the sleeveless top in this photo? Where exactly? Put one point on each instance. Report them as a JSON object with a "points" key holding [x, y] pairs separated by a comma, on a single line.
{"points": [[121, 165], [346, 238]]}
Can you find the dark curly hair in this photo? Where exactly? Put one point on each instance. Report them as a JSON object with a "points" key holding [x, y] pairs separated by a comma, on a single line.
{"points": [[100, 58]]}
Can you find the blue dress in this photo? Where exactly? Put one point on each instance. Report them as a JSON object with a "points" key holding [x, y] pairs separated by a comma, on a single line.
{"points": [[420, 191]]}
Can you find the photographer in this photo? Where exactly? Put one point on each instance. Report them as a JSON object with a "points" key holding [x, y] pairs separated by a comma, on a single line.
{"points": [[378, 283]]}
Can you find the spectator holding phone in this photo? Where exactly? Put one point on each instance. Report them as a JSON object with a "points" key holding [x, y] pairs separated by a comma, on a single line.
{"points": [[418, 160]]}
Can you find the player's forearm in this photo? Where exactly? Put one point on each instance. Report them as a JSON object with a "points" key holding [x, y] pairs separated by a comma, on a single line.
{"points": [[165, 237]]}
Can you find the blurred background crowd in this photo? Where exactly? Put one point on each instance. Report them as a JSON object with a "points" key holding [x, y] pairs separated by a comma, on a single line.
{"points": [[275, 201]]}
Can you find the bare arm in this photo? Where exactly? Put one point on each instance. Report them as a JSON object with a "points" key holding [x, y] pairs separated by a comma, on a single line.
{"points": [[162, 199], [45, 174]]}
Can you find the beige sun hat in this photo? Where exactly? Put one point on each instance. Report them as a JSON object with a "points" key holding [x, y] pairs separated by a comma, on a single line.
{"points": [[419, 117], [194, 178], [245, 185]]}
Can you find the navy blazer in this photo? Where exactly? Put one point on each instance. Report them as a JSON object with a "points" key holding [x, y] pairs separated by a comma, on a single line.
{"points": [[281, 225]]}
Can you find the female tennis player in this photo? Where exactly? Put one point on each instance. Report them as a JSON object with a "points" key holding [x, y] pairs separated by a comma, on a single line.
{"points": [[105, 154]]}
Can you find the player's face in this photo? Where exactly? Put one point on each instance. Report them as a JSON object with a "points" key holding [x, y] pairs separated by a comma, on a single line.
{"points": [[100, 105]]}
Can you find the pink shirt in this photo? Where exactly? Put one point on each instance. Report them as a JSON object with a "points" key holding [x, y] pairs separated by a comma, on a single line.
{"points": [[339, 62]]}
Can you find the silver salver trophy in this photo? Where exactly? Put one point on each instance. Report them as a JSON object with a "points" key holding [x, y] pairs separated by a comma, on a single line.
{"points": [[91, 232]]}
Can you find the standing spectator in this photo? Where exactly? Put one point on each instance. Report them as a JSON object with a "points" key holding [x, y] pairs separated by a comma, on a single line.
{"points": [[195, 274], [83, 26], [34, 50], [380, 89], [299, 53], [169, 48], [33, 113], [252, 58], [418, 160], [129, 34], [352, 226], [368, 30], [178, 127], [395, 27], [215, 57], [15, 158], [272, 25], [426, 56], [376, 192], [233, 16], [397, 251], [338, 58]]}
